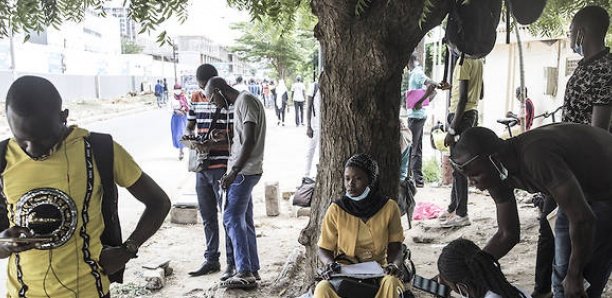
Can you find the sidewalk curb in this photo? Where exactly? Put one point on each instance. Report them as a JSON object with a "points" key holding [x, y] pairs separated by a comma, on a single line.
{"points": [[136, 110]]}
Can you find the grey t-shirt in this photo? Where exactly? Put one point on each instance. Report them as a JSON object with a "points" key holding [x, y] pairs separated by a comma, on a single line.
{"points": [[248, 108]]}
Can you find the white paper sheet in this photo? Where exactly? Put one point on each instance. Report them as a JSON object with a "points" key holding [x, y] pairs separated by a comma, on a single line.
{"points": [[361, 270]]}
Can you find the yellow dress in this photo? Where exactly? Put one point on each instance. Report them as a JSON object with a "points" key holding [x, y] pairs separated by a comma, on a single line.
{"points": [[361, 241]]}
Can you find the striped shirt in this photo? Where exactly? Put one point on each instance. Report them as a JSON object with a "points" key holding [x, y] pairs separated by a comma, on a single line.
{"points": [[202, 111]]}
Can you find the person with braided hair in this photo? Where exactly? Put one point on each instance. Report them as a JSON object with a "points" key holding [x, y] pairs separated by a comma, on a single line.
{"points": [[472, 272], [362, 226]]}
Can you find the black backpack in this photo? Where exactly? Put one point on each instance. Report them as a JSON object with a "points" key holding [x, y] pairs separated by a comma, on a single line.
{"points": [[102, 145], [472, 26]]}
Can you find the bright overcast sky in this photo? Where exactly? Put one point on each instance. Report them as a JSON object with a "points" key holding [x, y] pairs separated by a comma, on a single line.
{"points": [[211, 18]]}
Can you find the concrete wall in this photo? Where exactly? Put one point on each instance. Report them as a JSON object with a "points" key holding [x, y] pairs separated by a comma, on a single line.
{"points": [[82, 87]]}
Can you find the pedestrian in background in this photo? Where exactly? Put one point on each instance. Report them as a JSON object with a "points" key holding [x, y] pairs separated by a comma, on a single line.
{"points": [[159, 90], [178, 122], [298, 93], [281, 102]]}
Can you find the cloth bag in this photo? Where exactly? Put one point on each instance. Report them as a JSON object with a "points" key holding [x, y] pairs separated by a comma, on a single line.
{"points": [[197, 162], [303, 195]]}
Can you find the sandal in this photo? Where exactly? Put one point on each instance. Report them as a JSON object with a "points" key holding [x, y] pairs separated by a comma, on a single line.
{"points": [[240, 281]]}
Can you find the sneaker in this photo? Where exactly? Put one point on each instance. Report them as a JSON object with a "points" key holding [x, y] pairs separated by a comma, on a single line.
{"points": [[256, 275], [456, 221], [445, 215]]}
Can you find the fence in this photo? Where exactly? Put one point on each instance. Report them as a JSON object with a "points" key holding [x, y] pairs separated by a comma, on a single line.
{"points": [[88, 87]]}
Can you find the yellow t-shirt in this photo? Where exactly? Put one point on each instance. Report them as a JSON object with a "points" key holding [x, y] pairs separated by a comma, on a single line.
{"points": [[470, 71], [361, 241], [60, 271]]}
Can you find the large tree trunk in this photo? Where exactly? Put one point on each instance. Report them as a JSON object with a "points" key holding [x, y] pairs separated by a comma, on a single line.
{"points": [[364, 58]]}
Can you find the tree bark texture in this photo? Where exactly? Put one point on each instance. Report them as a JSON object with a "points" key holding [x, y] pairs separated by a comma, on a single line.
{"points": [[363, 61]]}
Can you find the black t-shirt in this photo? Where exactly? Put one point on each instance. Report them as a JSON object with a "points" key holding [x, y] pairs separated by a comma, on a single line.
{"points": [[550, 155]]}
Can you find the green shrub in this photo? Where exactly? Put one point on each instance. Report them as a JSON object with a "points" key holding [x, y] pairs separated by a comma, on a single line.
{"points": [[431, 170]]}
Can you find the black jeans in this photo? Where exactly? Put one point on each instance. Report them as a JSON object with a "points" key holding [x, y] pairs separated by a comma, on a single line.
{"points": [[416, 157], [546, 248], [280, 112], [299, 112], [459, 192]]}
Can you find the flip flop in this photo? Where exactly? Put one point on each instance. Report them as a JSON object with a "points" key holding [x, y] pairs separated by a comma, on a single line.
{"points": [[237, 282]]}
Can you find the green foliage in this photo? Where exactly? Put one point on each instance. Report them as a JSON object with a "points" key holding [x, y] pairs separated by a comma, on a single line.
{"points": [[130, 47], [431, 170], [428, 7], [288, 49], [361, 6], [558, 14], [276, 11], [405, 80], [35, 16]]}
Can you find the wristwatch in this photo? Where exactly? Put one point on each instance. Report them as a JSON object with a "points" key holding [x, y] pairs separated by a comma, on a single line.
{"points": [[451, 131], [131, 247]]}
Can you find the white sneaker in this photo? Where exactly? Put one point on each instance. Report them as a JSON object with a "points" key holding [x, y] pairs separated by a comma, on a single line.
{"points": [[456, 221], [444, 216]]}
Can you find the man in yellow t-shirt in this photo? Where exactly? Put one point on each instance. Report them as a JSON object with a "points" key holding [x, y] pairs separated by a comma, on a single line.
{"points": [[467, 90], [53, 199]]}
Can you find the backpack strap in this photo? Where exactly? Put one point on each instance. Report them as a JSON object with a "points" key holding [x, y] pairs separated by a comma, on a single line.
{"points": [[4, 220], [102, 145]]}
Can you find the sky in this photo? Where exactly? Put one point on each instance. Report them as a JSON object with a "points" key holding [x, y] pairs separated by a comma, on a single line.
{"points": [[211, 18]]}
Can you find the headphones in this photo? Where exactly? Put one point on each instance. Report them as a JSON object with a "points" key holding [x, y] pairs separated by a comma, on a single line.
{"points": [[501, 170], [222, 96]]}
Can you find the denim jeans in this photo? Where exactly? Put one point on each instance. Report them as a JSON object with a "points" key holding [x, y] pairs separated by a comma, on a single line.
{"points": [[416, 159], [546, 248], [238, 220], [598, 268], [459, 192], [209, 199]]}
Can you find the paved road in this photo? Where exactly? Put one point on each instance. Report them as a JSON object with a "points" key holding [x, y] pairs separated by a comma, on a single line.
{"points": [[147, 137]]}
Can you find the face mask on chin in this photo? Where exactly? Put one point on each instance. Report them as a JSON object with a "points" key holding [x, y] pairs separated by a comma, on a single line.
{"points": [[177, 92], [360, 197]]}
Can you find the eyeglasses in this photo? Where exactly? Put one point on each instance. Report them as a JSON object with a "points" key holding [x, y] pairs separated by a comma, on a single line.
{"points": [[503, 172], [461, 166]]}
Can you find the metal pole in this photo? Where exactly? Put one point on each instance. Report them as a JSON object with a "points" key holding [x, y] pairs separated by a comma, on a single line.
{"points": [[12, 50], [174, 61]]}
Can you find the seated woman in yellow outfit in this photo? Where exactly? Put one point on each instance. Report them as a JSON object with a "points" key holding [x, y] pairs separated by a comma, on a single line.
{"points": [[362, 226]]}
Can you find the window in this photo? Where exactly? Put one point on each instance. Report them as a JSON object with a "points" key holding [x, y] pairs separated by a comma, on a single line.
{"points": [[570, 65]]}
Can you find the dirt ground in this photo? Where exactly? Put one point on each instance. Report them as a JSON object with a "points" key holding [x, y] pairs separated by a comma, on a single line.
{"points": [[184, 245], [277, 236]]}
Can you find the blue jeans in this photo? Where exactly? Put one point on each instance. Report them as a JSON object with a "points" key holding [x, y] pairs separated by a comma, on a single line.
{"points": [[209, 199], [598, 268], [238, 220]]}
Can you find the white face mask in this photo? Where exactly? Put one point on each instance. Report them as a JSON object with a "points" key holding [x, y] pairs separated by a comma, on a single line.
{"points": [[178, 92], [359, 197]]}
